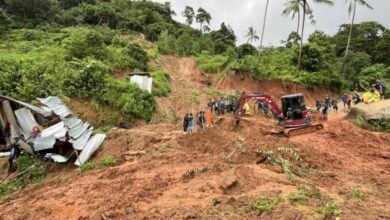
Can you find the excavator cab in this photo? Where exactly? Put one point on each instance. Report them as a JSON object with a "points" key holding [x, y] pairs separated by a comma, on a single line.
{"points": [[294, 111]]}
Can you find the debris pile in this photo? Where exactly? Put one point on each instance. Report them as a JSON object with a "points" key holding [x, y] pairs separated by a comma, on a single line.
{"points": [[51, 130]]}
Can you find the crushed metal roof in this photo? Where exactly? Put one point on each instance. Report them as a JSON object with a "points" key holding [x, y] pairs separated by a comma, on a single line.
{"points": [[69, 129]]}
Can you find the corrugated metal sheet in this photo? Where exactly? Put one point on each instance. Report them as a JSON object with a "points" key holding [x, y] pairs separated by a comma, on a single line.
{"points": [[93, 144], [80, 143], [77, 131], [31, 107], [71, 122], [56, 105], [144, 82], [26, 121], [43, 143], [57, 157], [58, 131]]}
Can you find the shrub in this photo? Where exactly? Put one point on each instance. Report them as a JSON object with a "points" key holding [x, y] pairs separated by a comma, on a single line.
{"points": [[83, 42], [87, 166], [265, 204], [212, 63], [304, 195], [6, 188], [330, 210], [137, 57], [128, 99], [108, 161], [160, 83], [356, 193], [89, 82]]}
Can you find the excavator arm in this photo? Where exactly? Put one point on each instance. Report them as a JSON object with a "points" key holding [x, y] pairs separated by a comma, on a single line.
{"points": [[262, 98]]}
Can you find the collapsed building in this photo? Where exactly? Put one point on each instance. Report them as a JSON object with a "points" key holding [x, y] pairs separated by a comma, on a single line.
{"points": [[50, 130]]}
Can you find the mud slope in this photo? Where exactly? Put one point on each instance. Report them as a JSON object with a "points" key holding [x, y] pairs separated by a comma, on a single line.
{"points": [[180, 176], [192, 89]]}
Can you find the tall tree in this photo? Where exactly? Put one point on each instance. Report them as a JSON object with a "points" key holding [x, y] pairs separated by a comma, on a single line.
{"points": [[264, 22], [352, 10], [202, 17], [251, 35], [293, 7], [307, 12], [189, 14]]}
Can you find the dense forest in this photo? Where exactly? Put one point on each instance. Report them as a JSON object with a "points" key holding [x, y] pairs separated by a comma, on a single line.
{"points": [[73, 48]]}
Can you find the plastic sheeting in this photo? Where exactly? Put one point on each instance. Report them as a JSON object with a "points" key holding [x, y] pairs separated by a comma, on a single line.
{"points": [[92, 145], [144, 82]]}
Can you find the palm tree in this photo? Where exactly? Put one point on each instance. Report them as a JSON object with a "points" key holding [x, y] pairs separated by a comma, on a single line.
{"points": [[352, 9], [202, 17], [307, 11], [251, 35], [264, 22], [293, 7]]}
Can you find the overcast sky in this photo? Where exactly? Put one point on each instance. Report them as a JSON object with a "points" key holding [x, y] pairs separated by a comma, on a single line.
{"points": [[241, 14]]}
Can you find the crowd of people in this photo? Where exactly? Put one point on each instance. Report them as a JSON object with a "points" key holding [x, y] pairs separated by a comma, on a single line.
{"points": [[204, 119], [376, 93]]}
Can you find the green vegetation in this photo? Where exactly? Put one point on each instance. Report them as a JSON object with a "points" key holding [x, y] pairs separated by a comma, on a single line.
{"points": [[304, 195], [356, 193], [330, 210], [108, 161], [166, 148], [380, 125], [87, 166], [264, 204], [286, 158], [161, 83], [29, 170]]}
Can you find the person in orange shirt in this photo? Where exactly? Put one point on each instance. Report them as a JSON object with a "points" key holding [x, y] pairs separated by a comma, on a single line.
{"points": [[209, 118]]}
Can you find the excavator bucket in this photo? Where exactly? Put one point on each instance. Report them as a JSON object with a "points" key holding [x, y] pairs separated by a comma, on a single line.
{"points": [[289, 132]]}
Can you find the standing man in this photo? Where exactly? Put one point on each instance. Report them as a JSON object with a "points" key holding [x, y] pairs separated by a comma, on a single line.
{"points": [[345, 99], [380, 88]]}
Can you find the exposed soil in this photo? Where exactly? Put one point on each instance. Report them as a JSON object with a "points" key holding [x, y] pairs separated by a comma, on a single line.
{"points": [[213, 174]]}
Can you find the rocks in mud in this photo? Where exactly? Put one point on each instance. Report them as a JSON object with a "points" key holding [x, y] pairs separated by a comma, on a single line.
{"points": [[228, 183]]}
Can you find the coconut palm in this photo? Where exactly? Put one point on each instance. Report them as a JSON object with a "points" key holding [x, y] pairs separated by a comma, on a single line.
{"points": [[308, 12], [264, 22], [293, 7], [251, 35], [352, 10], [202, 17]]}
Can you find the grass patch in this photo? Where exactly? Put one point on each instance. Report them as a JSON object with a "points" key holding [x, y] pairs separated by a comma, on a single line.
{"points": [[264, 204], [103, 129], [6, 188], [330, 210], [29, 170], [108, 161], [356, 193], [87, 166], [304, 195], [166, 148]]}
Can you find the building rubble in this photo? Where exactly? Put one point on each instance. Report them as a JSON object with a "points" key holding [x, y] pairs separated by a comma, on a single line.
{"points": [[51, 130]]}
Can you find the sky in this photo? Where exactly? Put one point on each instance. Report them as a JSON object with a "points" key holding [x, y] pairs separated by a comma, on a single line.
{"points": [[241, 14]]}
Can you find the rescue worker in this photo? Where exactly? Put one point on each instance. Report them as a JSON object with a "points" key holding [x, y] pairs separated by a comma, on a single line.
{"points": [[318, 105], [185, 122], [245, 109], [371, 96], [211, 105], [335, 106], [345, 99], [265, 108], [380, 88], [209, 118], [14, 153], [191, 124]]}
